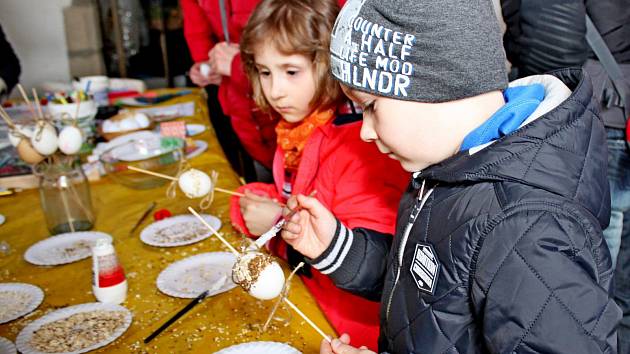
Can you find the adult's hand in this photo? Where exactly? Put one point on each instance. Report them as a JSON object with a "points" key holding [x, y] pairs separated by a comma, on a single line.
{"points": [[220, 57]]}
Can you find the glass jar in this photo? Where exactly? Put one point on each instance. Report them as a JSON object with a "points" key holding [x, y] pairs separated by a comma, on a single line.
{"points": [[64, 193]]}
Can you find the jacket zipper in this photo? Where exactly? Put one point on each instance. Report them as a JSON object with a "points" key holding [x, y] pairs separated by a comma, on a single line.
{"points": [[415, 211]]}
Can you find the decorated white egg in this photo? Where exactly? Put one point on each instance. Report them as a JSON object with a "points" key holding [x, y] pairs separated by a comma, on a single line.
{"points": [[70, 140], [195, 183], [258, 274], [44, 139]]}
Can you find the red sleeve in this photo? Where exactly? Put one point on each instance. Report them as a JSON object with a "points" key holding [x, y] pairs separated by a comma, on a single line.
{"points": [[235, 210], [365, 186], [197, 30]]}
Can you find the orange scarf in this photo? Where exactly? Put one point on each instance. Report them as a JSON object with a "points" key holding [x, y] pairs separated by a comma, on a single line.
{"points": [[292, 137]]}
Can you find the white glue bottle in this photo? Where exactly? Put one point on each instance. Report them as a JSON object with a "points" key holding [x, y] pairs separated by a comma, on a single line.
{"points": [[109, 283]]}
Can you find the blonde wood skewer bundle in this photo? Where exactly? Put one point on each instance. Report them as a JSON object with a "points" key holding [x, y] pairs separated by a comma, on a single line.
{"points": [[236, 253], [28, 102], [156, 174]]}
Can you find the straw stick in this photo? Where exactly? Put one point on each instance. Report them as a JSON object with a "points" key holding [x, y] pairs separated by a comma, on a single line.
{"points": [[229, 192], [28, 102], [227, 244], [156, 174], [76, 113], [308, 320], [38, 105], [6, 117]]}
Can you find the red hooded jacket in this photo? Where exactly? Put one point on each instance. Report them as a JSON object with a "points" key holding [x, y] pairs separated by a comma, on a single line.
{"points": [[202, 30], [362, 188]]}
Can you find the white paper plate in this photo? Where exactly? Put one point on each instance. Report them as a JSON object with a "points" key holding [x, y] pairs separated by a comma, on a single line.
{"points": [[157, 234], [193, 275], [6, 346], [61, 249], [195, 129], [23, 339], [200, 146], [259, 348], [36, 297]]}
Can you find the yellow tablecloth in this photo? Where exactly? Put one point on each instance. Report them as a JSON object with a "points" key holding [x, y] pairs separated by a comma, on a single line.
{"points": [[220, 321]]}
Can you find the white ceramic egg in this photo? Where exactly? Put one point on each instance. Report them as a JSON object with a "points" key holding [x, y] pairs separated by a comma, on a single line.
{"points": [[204, 69], [269, 284], [195, 183], [44, 139], [70, 140], [142, 120], [15, 138]]}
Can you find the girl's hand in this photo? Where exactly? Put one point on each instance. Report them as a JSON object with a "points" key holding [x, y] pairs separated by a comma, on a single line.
{"points": [[259, 212], [311, 230], [220, 57], [342, 346]]}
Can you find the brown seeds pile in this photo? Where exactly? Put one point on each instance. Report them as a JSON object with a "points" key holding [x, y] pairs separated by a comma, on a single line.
{"points": [[78, 331]]}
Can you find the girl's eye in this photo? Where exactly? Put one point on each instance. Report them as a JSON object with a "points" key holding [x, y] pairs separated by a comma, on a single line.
{"points": [[263, 72], [292, 72]]}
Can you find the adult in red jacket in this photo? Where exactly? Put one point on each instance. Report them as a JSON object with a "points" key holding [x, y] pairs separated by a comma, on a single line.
{"points": [[203, 30], [360, 187]]}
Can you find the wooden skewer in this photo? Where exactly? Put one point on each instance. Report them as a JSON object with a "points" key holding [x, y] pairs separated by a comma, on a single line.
{"points": [[156, 174], [38, 105], [236, 253], [308, 320], [6, 118], [28, 102], [227, 244]]}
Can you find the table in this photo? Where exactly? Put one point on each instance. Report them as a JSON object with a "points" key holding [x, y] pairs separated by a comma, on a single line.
{"points": [[220, 321]]}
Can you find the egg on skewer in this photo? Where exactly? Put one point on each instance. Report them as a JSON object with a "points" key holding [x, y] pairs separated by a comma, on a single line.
{"points": [[44, 139], [195, 183], [258, 274], [70, 140]]}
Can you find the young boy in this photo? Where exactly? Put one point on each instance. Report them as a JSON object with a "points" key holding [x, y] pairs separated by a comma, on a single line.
{"points": [[498, 245]]}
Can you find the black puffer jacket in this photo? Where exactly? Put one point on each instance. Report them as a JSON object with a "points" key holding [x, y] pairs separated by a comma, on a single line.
{"points": [[506, 254]]}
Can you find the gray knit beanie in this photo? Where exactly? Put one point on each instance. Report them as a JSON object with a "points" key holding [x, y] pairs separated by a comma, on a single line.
{"points": [[419, 50]]}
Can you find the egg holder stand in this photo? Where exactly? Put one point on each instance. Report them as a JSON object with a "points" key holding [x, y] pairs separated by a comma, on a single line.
{"points": [[172, 189], [53, 159], [283, 296]]}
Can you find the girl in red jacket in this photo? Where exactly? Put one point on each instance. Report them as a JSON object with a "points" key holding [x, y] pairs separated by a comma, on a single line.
{"points": [[284, 49]]}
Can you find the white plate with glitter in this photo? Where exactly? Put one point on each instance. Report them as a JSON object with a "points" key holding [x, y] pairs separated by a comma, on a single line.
{"points": [[76, 323], [193, 275], [64, 248], [7, 347], [178, 231], [18, 299], [259, 348]]}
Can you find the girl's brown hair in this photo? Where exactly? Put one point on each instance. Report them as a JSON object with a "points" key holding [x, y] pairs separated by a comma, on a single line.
{"points": [[294, 27]]}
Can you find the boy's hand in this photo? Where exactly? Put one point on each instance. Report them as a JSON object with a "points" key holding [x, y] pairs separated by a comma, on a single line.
{"points": [[259, 212], [220, 57], [311, 230], [341, 346]]}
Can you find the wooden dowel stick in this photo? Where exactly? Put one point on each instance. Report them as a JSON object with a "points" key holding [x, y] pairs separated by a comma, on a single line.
{"points": [[226, 191], [37, 104], [151, 173], [28, 102], [227, 244], [6, 118], [308, 320]]}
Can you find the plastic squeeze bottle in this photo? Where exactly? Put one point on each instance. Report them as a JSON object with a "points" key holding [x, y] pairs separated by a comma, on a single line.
{"points": [[109, 284]]}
